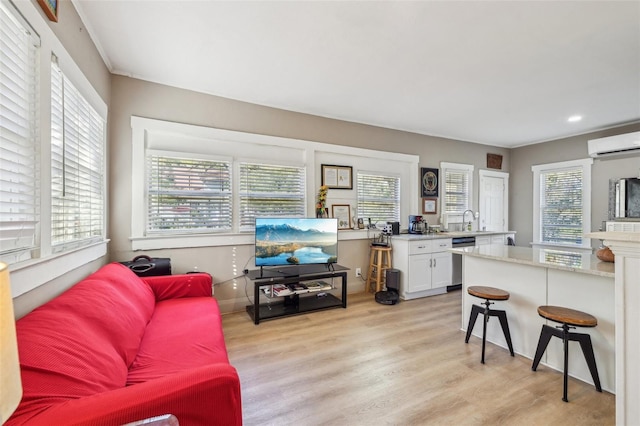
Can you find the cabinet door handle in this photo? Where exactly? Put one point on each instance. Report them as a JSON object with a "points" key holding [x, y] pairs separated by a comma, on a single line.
{"points": [[434, 262], [430, 263]]}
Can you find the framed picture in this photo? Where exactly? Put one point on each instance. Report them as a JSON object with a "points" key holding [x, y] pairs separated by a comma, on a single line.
{"points": [[342, 212], [428, 182], [494, 161], [337, 177], [50, 8], [429, 205]]}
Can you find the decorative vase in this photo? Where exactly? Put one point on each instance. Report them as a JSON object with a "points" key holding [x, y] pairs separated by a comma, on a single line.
{"points": [[605, 254]]}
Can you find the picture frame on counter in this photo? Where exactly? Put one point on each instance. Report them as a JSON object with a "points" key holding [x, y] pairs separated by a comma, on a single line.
{"points": [[342, 212]]}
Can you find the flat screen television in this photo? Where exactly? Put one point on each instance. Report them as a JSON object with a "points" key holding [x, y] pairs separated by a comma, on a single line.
{"points": [[296, 241]]}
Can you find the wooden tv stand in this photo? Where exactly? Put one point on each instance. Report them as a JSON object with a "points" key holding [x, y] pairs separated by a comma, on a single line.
{"points": [[297, 303]]}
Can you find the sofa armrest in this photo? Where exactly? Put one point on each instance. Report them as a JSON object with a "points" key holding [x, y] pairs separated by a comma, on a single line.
{"points": [[176, 286], [207, 395]]}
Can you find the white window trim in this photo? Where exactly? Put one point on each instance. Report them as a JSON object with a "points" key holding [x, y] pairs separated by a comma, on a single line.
{"points": [[586, 199], [142, 128], [455, 217], [26, 276]]}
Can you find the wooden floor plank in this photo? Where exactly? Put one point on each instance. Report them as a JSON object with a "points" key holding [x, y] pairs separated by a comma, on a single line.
{"points": [[406, 364]]}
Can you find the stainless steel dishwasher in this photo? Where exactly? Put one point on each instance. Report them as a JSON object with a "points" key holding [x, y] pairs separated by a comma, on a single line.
{"points": [[456, 269]]}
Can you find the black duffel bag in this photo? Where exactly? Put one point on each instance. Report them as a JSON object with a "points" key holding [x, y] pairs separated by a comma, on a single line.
{"points": [[145, 266]]}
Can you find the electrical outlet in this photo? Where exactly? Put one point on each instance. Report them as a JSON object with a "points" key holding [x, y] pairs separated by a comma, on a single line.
{"points": [[358, 272]]}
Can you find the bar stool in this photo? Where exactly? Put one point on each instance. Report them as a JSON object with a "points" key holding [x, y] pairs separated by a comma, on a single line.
{"points": [[379, 262], [488, 293], [569, 318]]}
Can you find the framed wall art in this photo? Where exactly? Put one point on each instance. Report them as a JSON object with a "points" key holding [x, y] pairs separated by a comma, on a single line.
{"points": [[494, 161], [342, 212], [429, 205], [428, 182], [337, 177], [50, 8]]}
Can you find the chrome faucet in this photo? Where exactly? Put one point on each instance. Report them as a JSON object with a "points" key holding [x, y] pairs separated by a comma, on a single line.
{"points": [[473, 217]]}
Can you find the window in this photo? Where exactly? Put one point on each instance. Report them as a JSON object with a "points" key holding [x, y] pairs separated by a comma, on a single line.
{"points": [[192, 194], [77, 167], [562, 203], [457, 188], [378, 197], [270, 190], [263, 175], [19, 201], [188, 195]]}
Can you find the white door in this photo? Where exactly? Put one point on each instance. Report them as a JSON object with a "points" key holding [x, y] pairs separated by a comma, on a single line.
{"points": [[494, 201]]}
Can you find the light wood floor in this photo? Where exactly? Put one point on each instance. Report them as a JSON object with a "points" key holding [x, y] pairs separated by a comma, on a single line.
{"points": [[406, 364]]}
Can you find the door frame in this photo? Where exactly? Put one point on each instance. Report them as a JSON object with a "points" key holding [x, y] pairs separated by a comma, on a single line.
{"points": [[505, 202]]}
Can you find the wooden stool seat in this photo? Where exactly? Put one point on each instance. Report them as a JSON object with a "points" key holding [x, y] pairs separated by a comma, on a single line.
{"points": [[567, 316], [489, 293], [379, 262]]}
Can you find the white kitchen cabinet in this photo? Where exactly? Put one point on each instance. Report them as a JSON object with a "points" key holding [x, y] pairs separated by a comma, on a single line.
{"points": [[482, 240], [424, 264]]}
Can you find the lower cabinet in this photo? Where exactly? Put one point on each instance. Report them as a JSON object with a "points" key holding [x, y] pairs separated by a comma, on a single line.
{"points": [[425, 266]]}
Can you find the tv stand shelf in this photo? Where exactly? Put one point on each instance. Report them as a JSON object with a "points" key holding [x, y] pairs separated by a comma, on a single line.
{"points": [[295, 304]]}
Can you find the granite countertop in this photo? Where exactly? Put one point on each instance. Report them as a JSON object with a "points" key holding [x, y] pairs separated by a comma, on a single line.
{"points": [[441, 235], [548, 258]]}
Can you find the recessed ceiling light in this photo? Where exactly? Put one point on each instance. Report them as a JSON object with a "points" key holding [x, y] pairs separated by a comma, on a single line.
{"points": [[574, 118]]}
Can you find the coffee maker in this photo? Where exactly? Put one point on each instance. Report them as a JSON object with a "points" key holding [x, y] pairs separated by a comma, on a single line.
{"points": [[417, 225]]}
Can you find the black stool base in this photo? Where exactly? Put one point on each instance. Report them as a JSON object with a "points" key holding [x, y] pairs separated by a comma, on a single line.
{"points": [[502, 316], [566, 336]]}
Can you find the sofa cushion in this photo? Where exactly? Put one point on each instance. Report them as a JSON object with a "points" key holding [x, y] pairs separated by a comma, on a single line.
{"points": [[182, 334], [82, 342]]}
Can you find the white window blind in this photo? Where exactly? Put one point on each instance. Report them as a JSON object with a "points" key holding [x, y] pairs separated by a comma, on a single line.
{"points": [[19, 203], [561, 206], [77, 167], [188, 195], [378, 197], [457, 190], [270, 190], [562, 203]]}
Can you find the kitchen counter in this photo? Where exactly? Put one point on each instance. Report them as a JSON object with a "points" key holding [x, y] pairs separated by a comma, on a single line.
{"points": [[549, 258], [441, 235], [536, 277]]}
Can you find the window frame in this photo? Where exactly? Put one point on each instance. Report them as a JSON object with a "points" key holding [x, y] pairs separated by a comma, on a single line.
{"points": [[398, 200], [542, 169], [159, 134], [455, 216], [23, 136], [91, 148], [46, 265]]}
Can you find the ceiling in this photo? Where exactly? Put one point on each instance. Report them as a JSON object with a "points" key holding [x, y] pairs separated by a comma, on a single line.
{"points": [[504, 73]]}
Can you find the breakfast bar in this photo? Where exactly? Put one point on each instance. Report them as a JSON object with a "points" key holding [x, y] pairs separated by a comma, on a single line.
{"points": [[536, 277]]}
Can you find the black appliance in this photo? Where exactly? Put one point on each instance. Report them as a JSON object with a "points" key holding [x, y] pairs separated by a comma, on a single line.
{"points": [[456, 269], [627, 198], [417, 225], [392, 282], [395, 228]]}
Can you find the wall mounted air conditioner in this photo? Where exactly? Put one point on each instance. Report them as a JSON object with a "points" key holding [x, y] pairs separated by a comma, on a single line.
{"points": [[628, 143]]}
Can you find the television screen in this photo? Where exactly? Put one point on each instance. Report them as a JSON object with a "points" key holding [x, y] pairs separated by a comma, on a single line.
{"points": [[296, 241]]}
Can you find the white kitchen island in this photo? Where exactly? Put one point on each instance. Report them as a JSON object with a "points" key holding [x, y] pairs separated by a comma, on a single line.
{"points": [[536, 277]]}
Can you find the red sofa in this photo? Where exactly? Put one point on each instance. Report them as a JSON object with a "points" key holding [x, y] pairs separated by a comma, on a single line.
{"points": [[116, 348]]}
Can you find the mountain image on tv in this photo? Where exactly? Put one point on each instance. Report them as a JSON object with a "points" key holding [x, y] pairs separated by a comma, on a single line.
{"points": [[296, 241]]}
